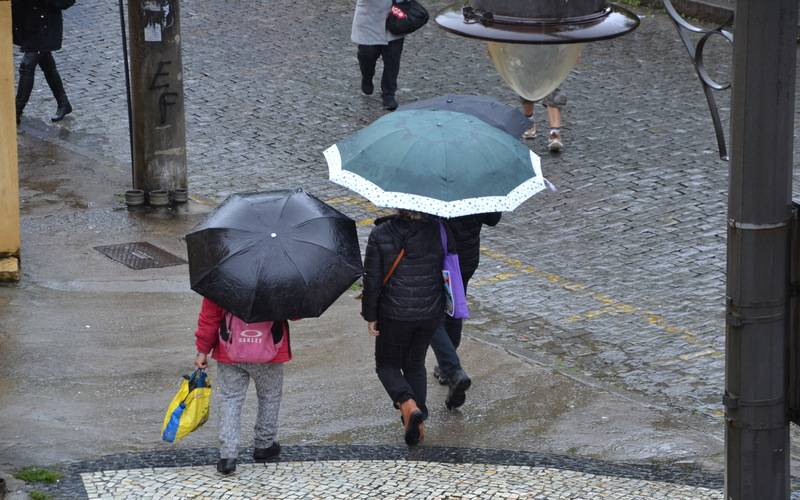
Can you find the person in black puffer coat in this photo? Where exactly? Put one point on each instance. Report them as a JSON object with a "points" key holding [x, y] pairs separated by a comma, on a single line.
{"points": [[38, 30], [467, 234], [403, 313]]}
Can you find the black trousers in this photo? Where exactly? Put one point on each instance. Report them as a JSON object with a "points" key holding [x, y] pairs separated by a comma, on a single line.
{"points": [[453, 328], [400, 358], [27, 69], [445, 342], [368, 56]]}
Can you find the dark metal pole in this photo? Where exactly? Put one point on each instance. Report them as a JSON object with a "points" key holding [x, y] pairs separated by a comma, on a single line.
{"points": [[127, 84], [759, 213]]}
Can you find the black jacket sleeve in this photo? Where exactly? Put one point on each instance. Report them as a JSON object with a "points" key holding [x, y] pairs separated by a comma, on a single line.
{"points": [[60, 4], [373, 276], [492, 218]]}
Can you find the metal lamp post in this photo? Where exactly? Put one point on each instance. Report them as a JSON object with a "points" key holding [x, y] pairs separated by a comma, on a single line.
{"points": [[534, 44], [759, 199], [759, 220], [537, 22], [762, 369]]}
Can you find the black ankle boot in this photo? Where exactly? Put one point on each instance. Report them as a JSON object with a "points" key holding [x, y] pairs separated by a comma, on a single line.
{"points": [[459, 383], [366, 86], [439, 376], [226, 466], [264, 454], [48, 65], [64, 108], [389, 102]]}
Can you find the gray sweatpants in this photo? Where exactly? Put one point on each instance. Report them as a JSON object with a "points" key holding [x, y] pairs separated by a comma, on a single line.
{"points": [[232, 382]]}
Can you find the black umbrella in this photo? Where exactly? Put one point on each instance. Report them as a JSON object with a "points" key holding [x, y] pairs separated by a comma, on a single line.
{"points": [[274, 255], [488, 109]]}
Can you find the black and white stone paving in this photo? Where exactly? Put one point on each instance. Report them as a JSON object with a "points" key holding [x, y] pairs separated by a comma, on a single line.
{"points": [[378, 479], [380, 472]]}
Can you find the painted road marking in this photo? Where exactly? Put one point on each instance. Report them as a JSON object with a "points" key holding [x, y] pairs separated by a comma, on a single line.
{"points": [[609, 306]]}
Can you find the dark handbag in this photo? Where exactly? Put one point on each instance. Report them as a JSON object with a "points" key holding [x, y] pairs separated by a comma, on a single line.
{"points": [[406, 17]]}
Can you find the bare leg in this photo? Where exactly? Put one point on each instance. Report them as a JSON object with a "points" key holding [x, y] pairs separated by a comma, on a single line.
{"points": [[554, 142], [554, 116], [527, 110]]}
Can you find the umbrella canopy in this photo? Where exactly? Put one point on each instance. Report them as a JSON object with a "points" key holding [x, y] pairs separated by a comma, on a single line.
{"points": [[495, 113], [438, 162], [274, 255]]}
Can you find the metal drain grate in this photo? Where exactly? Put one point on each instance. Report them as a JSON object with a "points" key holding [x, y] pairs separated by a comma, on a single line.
{"points": [[140, 255]]}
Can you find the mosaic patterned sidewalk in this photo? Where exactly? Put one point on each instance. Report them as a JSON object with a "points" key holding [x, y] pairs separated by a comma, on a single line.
{"points": [[378, 479], [357, 471]]}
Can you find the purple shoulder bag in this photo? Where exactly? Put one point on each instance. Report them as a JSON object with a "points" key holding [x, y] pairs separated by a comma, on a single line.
{"points": [[453, 284]]}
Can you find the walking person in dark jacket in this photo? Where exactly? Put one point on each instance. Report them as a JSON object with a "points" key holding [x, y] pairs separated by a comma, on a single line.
{"points": [[375, 41], [404, 312], [38, 30], [467, 234]]}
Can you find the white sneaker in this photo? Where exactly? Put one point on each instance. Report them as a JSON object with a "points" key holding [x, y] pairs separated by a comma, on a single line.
{"points": [[530, 133], [554, 143]]}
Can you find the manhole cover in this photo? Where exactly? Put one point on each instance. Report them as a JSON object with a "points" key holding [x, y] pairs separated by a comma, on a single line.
{"points": [[140, 255]]}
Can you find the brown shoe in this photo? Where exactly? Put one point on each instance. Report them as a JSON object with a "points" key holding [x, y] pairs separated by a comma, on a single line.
{"points": [[413, 422]]}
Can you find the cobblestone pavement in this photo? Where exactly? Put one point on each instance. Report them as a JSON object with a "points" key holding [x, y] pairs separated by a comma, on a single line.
{"points": [[618, 276], [377, 479], [380, 472]]}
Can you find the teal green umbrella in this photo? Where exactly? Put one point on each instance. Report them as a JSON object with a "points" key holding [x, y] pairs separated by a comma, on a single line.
{"points": [[438, 162]]}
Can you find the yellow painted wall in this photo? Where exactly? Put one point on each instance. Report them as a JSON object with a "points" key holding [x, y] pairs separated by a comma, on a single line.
{"points": [[9, 174]]}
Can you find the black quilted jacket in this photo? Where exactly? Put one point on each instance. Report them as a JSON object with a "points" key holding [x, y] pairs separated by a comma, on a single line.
{"points": [[415, 290], [467, 234]]}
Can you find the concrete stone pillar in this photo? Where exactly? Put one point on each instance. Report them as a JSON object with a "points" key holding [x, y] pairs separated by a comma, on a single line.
{"points": [[9, 173]]}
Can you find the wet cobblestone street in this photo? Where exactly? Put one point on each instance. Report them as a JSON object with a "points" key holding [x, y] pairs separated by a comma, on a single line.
{"points": [[618, 276]]}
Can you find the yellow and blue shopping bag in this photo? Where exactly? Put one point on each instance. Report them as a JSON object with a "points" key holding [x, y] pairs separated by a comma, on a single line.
{"points": [[189, 408]]}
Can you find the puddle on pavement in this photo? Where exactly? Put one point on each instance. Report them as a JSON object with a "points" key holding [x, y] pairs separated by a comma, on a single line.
{"points": [[38, 193]]}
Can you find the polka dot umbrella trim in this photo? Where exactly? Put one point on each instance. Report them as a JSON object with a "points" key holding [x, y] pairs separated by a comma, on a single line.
{"points": [[438, 162]]}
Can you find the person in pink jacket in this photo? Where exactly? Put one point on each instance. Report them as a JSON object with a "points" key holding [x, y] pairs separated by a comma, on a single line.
{"points": [[232, 382]]}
